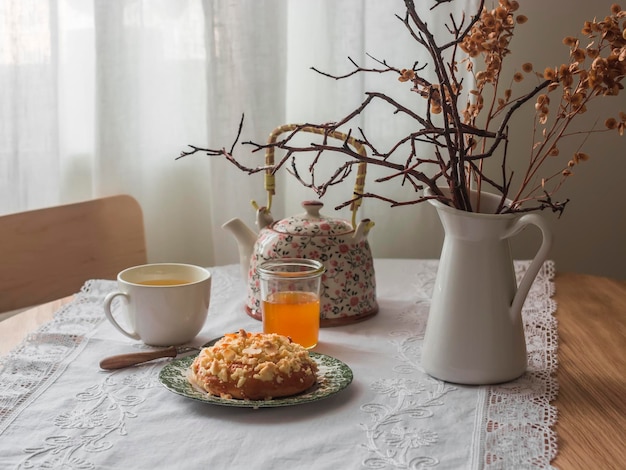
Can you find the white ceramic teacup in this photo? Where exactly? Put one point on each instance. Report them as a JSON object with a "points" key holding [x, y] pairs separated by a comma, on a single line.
{"points": [[165, 303]]}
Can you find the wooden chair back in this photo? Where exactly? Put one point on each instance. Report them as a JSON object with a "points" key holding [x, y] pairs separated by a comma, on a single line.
{"points": [[49, 253]]}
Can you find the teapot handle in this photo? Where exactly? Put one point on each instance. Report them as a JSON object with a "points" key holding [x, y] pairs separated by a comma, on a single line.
{"points": [[540, 257], [270, 186]]}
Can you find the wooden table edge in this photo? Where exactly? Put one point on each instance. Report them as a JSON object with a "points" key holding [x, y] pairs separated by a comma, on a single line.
{"points": [[14, 329]]}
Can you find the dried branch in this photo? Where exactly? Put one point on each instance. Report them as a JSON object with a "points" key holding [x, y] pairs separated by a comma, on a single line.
{"points": [[456, 127]]}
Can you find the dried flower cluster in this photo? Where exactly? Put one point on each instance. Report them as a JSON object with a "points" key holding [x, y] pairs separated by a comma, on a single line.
{"points": [[596, 70], [465, 128]]}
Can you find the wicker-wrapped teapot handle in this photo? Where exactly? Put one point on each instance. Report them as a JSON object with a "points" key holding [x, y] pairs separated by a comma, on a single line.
{"points": [[270, 185]]}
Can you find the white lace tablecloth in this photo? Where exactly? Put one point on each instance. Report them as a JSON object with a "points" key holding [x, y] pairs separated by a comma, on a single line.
{"points": [[59, 410]]}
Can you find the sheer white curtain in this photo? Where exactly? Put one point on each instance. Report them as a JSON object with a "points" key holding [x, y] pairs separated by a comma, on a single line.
{"points": [[99, 97]]}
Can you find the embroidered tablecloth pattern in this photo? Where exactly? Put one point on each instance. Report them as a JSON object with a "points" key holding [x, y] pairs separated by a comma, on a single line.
{"points": [[59, 410]]}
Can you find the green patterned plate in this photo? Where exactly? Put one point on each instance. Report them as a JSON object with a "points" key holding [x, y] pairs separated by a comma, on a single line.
{"points": [[332, 377]]}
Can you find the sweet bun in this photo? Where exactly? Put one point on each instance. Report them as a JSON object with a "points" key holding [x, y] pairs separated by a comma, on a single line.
{"points": [[253, 366]]}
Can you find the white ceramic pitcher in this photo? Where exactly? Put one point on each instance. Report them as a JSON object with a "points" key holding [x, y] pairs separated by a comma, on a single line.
{"points": [[474, 333]]}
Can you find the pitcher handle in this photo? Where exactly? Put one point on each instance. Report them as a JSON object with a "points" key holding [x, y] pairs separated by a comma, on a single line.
{"points": [[536, 263]]}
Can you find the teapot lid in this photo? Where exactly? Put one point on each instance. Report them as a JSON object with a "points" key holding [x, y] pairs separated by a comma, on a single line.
{"points": [[312, 223]]}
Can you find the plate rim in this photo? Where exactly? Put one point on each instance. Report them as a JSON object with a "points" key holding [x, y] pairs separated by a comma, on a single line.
{"points": [[299, 399]]}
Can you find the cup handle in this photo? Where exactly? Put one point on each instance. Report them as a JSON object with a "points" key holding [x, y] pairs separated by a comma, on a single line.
{"points": [[540, 257], [107, 311]]}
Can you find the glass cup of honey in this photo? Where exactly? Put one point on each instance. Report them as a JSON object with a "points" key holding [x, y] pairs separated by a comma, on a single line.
{"points": [[290, 298]]}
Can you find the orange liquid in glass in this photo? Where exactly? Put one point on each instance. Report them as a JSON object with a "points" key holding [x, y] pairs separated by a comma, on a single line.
{"points": [[293, 314]]}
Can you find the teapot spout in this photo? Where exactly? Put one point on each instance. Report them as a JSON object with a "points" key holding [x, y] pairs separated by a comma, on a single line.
{"points": [[246, 239], [362, 230]]}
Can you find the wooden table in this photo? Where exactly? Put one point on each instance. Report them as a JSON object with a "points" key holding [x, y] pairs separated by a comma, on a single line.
{"points": [[14, 329], [591, 427], [592, 367]]}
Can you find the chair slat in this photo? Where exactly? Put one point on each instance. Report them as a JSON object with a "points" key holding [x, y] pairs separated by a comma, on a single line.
{"points": [[46, 254]]}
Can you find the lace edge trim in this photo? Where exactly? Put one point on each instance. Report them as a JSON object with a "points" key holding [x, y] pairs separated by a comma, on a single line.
{"points": [[542, 393], [19, 390]]}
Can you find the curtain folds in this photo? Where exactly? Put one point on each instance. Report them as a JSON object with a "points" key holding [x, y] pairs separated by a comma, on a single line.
{"points": [[100, 97]]}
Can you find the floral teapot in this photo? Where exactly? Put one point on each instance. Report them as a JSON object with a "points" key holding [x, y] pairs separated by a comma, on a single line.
{"points": [[348, 291]]}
